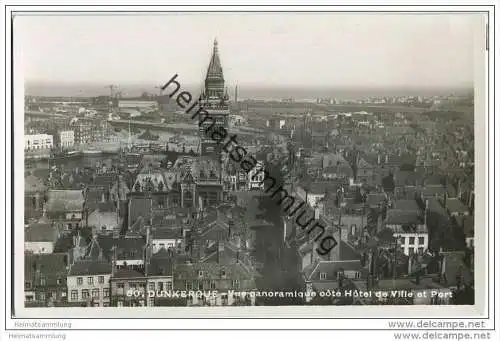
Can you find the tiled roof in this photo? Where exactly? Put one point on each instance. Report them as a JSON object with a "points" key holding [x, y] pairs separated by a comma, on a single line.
{"points": [[98, 219], [51, 266], [40, 233], [406, 205], [138, 207], [83, 268], [435, 206], [127, 273], [455, 205], [403, 218], [33, 184], [65, 200], [129, 248], [166, 233]]}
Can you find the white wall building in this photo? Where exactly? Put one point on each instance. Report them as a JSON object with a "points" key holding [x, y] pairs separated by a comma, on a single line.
{"points": [[67, 138], [88, 282], [38, 141]]}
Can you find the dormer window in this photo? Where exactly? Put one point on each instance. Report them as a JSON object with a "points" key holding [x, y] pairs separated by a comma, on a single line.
{"points": [[223, 273], [322, 275], [200, 273]]}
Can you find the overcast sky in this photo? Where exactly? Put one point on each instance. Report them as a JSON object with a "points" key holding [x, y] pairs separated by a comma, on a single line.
{"points": [[317, 49]]}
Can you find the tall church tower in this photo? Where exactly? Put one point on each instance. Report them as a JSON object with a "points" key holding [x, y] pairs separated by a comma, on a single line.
{"points": [[214, 99]]}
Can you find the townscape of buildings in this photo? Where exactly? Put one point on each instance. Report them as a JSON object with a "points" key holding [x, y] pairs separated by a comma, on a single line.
{"points": [[151, 216]]}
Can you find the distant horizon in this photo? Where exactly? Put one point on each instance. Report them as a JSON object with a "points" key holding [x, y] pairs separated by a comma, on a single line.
{"points": [[92, 89]]}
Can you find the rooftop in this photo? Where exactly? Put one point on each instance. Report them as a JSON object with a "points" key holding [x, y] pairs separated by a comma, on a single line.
{"points": [[65, 200], [83, 268], [406, 205], [40, 233]]}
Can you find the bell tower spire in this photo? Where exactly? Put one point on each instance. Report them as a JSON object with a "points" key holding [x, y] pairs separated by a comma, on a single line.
{"points": [[214, 81]]}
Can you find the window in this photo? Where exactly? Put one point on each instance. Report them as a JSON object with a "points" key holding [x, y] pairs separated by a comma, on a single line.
{"points": [[105, 292], [160, 286], [101, 279], [411, 251], [212, 284], [119, 304], [42, 296], [151, 286], [120, 285], [357, 275], [42, 281], [322, 275], [74, 295], [90, 280], [95, 293], [169, 285], [85, 294], [420, 251], [236, 283], [59, 281], [79, 280], [412, 240], [200, 273], [421, 240], [223, 273], [188, 285], [27, 285]]}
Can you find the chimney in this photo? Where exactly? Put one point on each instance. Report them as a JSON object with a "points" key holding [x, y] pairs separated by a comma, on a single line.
{"points": [[425, 211], [220, 250]]}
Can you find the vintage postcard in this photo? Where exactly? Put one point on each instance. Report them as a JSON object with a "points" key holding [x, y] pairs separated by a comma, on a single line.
{"points": [[185, 163]]}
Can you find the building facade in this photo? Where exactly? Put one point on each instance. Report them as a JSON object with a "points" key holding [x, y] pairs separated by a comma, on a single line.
{"points": [[89, 283], [38, 141], [67, 138]]}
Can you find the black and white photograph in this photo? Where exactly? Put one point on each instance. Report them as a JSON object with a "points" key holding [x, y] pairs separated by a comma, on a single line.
{"points": [[249, 160]]}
